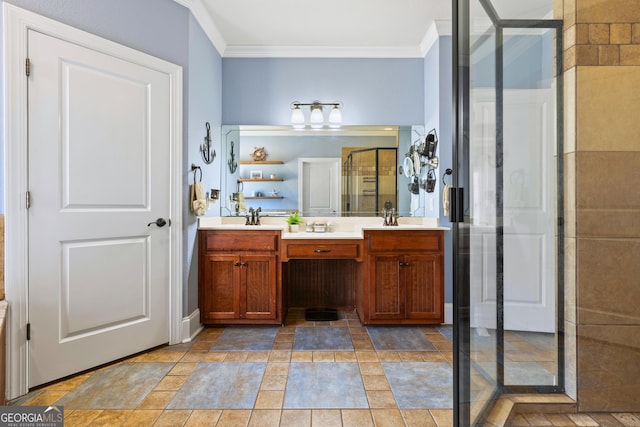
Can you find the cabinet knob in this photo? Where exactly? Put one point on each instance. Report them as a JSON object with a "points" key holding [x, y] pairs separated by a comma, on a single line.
{"points": [[322, 251]]}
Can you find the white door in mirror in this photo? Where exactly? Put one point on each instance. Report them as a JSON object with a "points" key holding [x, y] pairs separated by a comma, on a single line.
{"points": [[319, 185]]}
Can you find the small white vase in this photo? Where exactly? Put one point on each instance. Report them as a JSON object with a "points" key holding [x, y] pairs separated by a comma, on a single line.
{"points": [[294, 228]]}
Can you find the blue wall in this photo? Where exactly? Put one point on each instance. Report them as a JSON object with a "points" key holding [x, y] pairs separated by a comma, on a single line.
{"points": [[164, 29], [122, 21], [374, 91], [204, 105], [438, 114]]}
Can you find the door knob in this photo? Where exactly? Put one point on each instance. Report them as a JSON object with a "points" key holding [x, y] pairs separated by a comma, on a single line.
{"points": [[160, 222]]}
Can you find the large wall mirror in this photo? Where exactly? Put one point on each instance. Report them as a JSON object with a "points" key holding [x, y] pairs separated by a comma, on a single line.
{"points": [[349, 171]]}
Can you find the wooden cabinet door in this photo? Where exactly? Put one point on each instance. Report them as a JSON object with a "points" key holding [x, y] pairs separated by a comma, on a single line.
{"points": [[258, 287], [424, 287], [239, 277], [387, 295], [219, 287]]}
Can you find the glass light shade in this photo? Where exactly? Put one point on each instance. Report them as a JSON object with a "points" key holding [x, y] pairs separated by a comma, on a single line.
{"points": [[316, 119], [335, 117], [297, 118]]}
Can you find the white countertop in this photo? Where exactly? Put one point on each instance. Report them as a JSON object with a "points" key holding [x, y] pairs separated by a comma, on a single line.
{"points": [[342, 227]]}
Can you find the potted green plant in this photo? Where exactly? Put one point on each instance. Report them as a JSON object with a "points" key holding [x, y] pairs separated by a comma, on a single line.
{"points": [[294, 222]]}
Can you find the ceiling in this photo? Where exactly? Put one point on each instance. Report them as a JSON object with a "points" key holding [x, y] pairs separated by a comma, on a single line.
{"points": [[327, 28], [339, 28]]}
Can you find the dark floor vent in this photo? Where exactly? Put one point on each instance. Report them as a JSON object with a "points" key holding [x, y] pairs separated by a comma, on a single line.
{"points": [[320, 314]]}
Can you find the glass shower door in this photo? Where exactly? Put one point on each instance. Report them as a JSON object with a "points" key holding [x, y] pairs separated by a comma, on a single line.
{"points": [[477, 234], [506, 204]]}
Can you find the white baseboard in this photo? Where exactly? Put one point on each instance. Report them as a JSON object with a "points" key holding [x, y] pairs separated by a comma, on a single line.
{"points": [[448, 313], [191, 326]]}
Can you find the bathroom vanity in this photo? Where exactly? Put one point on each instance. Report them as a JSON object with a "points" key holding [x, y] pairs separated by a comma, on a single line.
{"points": [[253, 274]]}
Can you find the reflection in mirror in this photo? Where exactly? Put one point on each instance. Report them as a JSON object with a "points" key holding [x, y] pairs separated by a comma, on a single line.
{"points": [[369, 180], [276, 173]]}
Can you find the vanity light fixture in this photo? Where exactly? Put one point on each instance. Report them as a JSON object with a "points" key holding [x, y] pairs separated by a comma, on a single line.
{"points": [[297, 117], [335, 117], [316, 118]]}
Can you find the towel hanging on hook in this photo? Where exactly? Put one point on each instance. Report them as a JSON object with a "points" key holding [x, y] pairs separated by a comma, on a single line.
{"points": [[198, 198]]}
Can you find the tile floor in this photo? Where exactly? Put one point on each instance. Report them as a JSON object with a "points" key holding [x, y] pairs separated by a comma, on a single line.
{"points": [[303, 374]]}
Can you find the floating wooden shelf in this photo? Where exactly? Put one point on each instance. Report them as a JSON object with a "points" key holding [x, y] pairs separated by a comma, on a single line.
{"points": [[264, 197], [262, 162], [259, 179]]}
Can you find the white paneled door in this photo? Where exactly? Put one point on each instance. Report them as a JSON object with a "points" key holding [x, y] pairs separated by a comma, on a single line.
{"points": [[319, 183], [99, 178], [529, 211]]}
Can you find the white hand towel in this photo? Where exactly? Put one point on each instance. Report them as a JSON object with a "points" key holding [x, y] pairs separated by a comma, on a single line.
{"points": [[445, 200], [199, 202]]}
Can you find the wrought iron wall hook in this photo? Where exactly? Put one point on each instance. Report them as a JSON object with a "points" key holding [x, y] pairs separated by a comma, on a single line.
{"points": [[207, 155], [448, 171], [233, 165], [195, 169]]}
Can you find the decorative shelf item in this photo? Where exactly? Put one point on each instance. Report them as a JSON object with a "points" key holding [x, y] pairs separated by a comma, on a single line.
{"points": [[259, 154]]}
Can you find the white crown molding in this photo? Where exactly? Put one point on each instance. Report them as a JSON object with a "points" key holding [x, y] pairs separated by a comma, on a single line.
{"points": [[438, 28], [321, 52], [201, 14]]}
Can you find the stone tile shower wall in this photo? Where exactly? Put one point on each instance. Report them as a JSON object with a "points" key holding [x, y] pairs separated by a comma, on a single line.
{"points": [[602, 196]]}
